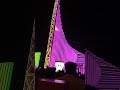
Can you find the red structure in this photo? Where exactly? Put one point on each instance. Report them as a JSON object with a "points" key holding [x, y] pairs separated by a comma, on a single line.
{"points": [[47, 84]]}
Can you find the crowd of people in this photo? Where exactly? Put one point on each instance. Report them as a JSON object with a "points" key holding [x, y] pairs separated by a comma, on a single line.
{"points": [[76, 80]]}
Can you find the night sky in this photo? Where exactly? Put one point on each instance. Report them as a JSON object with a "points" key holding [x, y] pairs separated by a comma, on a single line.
{"points": [[91, 25], [15, 33]]}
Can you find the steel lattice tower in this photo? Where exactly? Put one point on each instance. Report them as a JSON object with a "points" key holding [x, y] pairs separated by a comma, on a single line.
{"points": [[29, 83], [51, 34]]}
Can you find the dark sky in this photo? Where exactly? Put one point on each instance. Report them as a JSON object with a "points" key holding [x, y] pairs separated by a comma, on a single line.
{"points": [[95, 25], [16, 24]]}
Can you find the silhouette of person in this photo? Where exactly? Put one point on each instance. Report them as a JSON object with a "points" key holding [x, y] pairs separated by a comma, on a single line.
{"points": [[37, 70], [50, 73], [70, 77]]}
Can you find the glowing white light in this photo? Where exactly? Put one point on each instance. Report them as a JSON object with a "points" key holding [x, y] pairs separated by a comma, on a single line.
{"points": [[56, 28], [59, 66]]}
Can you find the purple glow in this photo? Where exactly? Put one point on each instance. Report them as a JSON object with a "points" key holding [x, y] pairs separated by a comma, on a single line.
{"points": [[61, 50], [100, 73]]}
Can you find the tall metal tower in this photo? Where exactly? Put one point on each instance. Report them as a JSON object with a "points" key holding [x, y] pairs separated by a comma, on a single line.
{"points": [[29, 83], [51, 34]]}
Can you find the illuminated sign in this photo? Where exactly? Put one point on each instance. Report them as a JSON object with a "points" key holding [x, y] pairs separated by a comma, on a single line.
{"points": [[37, 59]]}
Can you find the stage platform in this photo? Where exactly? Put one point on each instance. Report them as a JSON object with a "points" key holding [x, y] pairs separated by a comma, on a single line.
{"points": [[50, 84]]}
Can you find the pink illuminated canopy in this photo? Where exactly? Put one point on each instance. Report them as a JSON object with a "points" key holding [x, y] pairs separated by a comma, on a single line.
{"points": [[61, 50]]}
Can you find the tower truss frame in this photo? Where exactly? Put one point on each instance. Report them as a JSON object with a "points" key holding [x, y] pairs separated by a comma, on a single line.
{"points": [[29, 83], [51, 35]]}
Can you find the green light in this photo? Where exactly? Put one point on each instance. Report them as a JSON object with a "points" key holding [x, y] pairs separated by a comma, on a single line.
{"points": [[5, 75], [37, 58]]}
